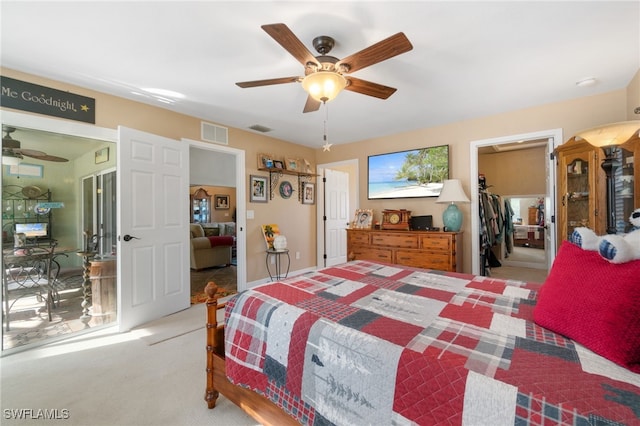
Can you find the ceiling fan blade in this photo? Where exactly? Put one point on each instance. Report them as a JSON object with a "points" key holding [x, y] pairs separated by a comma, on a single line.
{"points": [[292, 44], [257, 83], [381, 51], [311, 105], [31, 152], [43, 157], [368, 88]]}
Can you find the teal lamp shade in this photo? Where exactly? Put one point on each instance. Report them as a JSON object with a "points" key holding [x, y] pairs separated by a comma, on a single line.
{"points": [[452, 193]]}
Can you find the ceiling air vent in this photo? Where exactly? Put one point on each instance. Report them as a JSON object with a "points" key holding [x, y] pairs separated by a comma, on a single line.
{"points": [[260, 128], [212, 133]]}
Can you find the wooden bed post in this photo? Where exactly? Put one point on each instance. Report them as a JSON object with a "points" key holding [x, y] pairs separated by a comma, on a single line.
{"points": [[211, 394], [252, 403]]}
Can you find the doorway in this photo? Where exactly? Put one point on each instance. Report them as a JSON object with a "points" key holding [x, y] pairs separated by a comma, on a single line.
{"points": [[229, 172], [47, 301], [548, 139]]}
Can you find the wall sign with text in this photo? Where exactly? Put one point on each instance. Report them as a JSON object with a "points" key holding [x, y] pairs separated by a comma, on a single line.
{"points": [[31, 97]]}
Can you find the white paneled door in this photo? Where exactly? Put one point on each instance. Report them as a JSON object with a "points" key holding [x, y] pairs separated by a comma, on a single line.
{"points": [[336, 205], [153, 251]]}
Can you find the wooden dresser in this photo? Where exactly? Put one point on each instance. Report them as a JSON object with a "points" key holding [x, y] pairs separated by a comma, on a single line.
{"points": [[422, 249]]}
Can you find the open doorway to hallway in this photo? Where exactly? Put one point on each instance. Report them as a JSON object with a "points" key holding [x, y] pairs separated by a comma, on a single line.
{"points": [[217, 217]]}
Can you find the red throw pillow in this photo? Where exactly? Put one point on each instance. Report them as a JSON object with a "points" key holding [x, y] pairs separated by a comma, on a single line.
{"points": [[595, 303]]}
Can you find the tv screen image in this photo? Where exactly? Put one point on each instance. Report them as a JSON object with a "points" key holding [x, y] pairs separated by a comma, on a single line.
{"points": [[31, 230], [408, 174]]}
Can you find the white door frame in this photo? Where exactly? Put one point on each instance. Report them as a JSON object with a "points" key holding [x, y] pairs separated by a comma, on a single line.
{"points": [[241, 206], [555, 139], [57, 125], [320, 237]]}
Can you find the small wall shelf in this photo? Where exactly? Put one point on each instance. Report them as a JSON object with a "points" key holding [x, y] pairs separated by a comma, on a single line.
{"points": [[275, 174]]}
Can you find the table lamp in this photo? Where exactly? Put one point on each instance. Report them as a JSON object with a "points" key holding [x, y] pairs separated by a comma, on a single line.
{"points": [[452, 193]]}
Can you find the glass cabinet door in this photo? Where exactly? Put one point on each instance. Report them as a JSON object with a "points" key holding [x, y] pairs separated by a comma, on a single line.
{"points": [[578, 192], [200, 207]]}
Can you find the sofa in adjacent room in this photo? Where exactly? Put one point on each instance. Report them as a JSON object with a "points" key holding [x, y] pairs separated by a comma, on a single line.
{"points": [[209, 249]]}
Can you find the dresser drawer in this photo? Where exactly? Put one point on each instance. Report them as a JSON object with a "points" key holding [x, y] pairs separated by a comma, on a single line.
{"points": [[370, 253], [395, 240], [428, 250], [435, 242], [358, 238], [424, 259]]}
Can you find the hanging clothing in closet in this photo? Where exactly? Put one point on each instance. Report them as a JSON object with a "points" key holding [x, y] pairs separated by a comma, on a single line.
{"points": [[508, 226], [492, 227], [492, 219]]}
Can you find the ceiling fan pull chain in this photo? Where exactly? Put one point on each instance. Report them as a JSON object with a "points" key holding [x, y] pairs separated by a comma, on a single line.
{"points": [[326, 119], [327, 145]]}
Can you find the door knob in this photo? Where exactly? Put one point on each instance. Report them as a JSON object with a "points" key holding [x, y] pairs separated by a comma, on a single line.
{"points": [[128, 237]]}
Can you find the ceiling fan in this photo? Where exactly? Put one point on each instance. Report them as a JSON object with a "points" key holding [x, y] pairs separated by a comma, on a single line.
{"points": [[325, 76], [12, 153]]}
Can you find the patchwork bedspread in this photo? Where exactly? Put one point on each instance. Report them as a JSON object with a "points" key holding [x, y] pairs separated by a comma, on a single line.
{"points": [[367, 343]]}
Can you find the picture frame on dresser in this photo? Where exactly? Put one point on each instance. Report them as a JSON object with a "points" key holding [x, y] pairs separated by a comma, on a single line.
{"points": [[363, 219]]}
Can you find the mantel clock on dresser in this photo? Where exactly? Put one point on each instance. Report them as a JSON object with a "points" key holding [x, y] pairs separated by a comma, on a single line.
{"points": [[396, 219]]}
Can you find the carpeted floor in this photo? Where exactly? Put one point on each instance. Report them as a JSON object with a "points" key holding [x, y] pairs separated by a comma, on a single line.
{"points": [[109, 378], [224, 277]]}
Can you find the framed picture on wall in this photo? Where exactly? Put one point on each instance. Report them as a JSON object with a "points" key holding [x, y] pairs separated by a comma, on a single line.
{"points": [[102, 155], [258, 188], [308, 193], [221, 202]]}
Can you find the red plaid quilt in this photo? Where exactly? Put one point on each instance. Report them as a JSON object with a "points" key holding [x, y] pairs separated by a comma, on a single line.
{"points": [[368, 343]]}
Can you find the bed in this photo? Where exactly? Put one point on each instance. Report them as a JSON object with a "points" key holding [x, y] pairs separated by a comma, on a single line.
{"points": [[373, 343], [529, 236]]}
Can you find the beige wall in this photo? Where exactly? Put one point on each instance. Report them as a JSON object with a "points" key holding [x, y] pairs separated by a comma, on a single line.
{"points": [[570, 116], [515, 172], [298, 221]]}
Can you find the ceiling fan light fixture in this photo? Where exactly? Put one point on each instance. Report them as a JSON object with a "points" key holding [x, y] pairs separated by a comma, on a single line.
{"points": [[324, 86], [10, 158]]}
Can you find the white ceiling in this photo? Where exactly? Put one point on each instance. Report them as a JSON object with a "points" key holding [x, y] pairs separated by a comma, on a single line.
{"points": [[470, 59]]}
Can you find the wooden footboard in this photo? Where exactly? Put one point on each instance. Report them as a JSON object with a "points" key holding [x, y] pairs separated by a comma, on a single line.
{"points": [[257, 406]]}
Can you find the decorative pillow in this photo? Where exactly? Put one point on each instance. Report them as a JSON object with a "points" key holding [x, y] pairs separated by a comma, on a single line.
{"points": [[230, 229], [211, 232], [196, 230], [595, 303]]}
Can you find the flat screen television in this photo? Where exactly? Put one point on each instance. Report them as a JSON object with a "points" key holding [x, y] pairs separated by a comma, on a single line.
{"points": [[32, 230], [408, 174]]}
